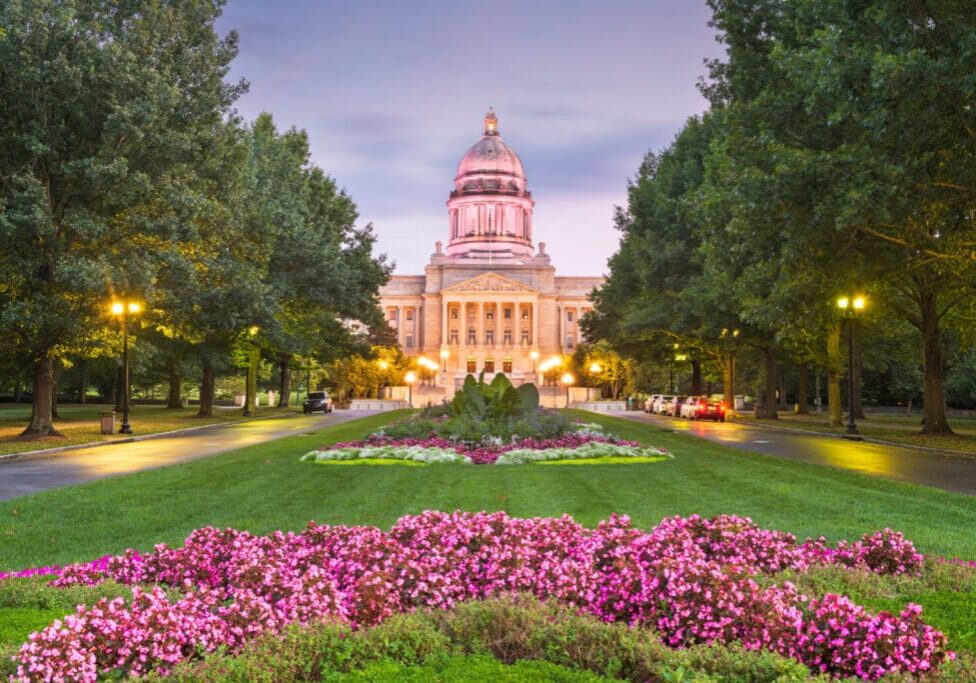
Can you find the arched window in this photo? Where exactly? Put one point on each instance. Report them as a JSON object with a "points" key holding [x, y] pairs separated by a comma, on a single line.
{"points": [[507, 365], [472, 364], [490, 364]]}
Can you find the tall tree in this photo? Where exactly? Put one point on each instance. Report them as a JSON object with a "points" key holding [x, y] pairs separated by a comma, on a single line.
{"points": [[98, 103]]}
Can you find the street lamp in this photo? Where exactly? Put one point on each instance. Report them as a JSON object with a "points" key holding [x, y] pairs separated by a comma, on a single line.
{"points": [[568, 380], [850, 307], [410, 378], [731, 337], [445, 354], [122, 310], [534, 355], [253, 359]]}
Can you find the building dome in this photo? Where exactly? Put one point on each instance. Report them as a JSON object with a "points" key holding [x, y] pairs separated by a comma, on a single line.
{"points": [[490, 156], [490, 209]]}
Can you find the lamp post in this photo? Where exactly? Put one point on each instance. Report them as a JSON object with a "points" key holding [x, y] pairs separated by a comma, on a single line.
{"points": [[534, 355], [730, 337], [122, 310], [384, 366], [410, 378], [850, 307], [445, 354], [568, 380], [253, 359], [679, 358]]}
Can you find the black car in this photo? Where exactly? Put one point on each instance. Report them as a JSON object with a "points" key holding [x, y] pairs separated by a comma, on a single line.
{"points": [[317, 400]]}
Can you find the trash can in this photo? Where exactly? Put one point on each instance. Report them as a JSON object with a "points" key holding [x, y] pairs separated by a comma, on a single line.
{"points": [[759, 411], [108, 422]]}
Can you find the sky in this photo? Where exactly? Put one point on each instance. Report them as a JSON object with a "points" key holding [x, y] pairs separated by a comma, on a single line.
{"points": [[393, 92]]}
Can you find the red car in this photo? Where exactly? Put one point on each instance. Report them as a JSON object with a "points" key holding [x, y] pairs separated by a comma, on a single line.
{"points": [[703, 408]]}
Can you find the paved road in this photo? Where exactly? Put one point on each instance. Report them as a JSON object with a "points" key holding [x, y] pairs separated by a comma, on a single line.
{"points": [[950, 472], [32, 474]]}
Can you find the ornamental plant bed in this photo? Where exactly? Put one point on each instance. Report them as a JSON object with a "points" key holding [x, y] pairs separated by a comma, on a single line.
{"points": [[489, 424], [688, 581]]}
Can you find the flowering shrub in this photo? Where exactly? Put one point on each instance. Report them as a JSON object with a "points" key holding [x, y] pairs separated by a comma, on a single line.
{"points": [[690, 579], [489, 451]]}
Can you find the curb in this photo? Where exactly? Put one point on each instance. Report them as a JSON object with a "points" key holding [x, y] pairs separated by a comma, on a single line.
{"points": [[44, 452], [865, 439]]}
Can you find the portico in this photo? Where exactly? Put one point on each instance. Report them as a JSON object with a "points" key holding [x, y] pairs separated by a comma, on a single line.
{"points": [[491, 301]]}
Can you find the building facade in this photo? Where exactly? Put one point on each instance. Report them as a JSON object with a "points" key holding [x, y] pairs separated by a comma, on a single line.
{"points": [[490, 301]]}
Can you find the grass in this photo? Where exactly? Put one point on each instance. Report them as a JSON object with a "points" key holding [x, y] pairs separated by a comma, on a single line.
{"points": [[80, 424], [903, 429], [606, 460], [265, 487], [467, 669]]}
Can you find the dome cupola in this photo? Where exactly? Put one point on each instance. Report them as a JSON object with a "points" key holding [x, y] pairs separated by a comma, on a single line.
{"points": [[490, 208]]}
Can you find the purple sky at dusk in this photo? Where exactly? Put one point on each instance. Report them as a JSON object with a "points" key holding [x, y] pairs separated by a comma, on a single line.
{"points": [[393, 93]]}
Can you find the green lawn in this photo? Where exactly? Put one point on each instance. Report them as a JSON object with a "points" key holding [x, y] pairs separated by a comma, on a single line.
{"points": [[265, 487], [80, 424], [897, 428]]}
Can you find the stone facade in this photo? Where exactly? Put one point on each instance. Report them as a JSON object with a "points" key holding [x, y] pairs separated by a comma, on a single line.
{"points": [[490, 302]]}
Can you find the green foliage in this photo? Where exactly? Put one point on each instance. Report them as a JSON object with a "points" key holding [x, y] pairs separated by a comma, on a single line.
{"points": [[511, 638], [496, 401]]}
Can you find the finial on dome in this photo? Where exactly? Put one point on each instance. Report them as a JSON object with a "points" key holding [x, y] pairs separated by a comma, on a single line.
{"points": [[491, 122]]}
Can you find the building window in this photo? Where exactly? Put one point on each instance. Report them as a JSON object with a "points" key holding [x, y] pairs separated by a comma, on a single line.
{"points": [[508, 314], [489, 364], [508, 337], [490, 314], [569, 341], [472, 364], [507, 365], [409, 314], [525, 337], [409, 341], [525, 314], [393, 315], [470, 312], [454, 314], [454, 337], [569, 316], [489, 337], [472, 337]]}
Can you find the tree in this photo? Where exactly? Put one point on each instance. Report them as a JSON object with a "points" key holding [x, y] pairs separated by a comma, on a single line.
{"points": [[871, 104], [98, 103]]}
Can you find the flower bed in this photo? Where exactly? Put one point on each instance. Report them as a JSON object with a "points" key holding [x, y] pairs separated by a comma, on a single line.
{"points": [[691, 580], [437, 450]]}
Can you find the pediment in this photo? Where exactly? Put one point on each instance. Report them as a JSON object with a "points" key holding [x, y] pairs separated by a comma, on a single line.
{"points": [[489, 282]]}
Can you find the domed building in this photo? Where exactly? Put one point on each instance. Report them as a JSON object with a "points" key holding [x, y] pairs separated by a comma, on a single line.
{"points": [[490, 301]]}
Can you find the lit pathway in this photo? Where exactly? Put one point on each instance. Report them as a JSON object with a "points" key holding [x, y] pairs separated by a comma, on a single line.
{"points": [[929, 468], [32, 474]]}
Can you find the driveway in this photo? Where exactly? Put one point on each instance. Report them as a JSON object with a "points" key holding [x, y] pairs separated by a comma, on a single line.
{"points": [[38, 473], [930, 468]]}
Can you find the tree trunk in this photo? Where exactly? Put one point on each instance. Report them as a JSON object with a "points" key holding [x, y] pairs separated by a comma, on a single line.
{"points": [[933, 392], [206, 392], [801, 390], [769, 361], [858, 405], [41, 419], [54, 392], [834, 364], [284, 384], [83, 382], [175, 384], [696, 378], [728, 381], [120, 388]]}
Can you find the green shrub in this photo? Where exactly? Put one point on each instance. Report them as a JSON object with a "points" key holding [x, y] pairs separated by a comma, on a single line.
{"points": [[467, 669], [34, 593]]}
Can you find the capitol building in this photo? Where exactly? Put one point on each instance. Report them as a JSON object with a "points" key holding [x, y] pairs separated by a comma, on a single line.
{"points": [[490, 300]]}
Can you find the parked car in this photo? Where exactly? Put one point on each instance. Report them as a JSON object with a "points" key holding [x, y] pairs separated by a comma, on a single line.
{"points": [[673, 407], [689, 407], [703, 408], [660, 406], [317, 400], [649, 403]]}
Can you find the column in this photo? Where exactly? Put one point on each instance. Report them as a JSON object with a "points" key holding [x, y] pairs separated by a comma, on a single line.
{"points": [[517, 327], [480, 339], [561, 327], [444, 321], [534, 312], [400, 339], [579, 330]]}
